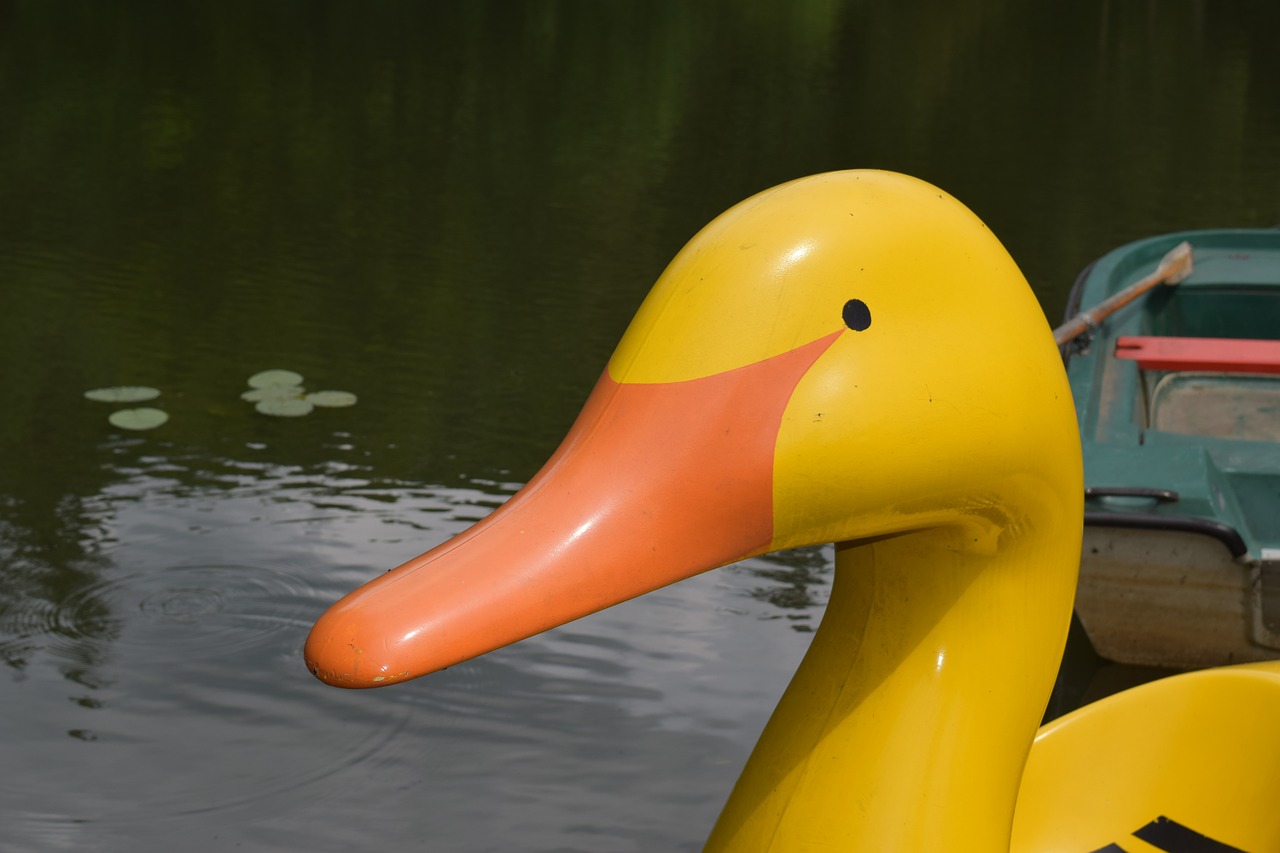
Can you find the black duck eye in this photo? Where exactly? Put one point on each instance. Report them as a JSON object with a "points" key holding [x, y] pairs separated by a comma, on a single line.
{"points": [[856, 314]]}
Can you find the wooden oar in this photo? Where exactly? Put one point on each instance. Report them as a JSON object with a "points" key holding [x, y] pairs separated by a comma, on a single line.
{"points": [[1174, 267]]}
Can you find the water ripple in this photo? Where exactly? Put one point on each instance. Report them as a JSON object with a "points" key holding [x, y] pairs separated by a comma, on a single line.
{"points": [[187, 611], [181, 694]]}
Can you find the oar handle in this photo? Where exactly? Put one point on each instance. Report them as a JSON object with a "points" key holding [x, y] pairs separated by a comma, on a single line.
{"points": [[1173, 268]]}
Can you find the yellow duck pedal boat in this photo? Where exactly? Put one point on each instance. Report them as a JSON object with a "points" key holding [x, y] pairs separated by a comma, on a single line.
{"points": [[852, 358]]}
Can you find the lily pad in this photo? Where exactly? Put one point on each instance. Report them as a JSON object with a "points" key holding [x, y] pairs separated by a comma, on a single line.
{"points": [[122, 394], [284, 407], [140, 418], [331, 399], [268, 378], [271, 392]]}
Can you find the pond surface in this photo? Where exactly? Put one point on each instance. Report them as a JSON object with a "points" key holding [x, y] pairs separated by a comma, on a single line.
{"points": [[452, 210]]}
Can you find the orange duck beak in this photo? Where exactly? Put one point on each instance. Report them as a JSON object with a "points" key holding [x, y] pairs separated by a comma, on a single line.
{"points": [[655, 482]]}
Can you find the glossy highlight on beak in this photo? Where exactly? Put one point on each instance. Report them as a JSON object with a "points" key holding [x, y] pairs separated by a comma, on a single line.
{"points": [[654, 483]]}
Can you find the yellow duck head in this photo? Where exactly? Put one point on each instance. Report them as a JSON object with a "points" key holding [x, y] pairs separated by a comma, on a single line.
{"points": [[849, 358]]}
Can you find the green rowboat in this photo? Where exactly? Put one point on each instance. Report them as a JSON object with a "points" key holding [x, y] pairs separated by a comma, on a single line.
{"points": [[1178, 399]]}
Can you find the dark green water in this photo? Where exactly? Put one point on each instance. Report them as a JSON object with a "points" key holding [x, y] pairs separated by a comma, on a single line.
{"points": [[452, 210]]}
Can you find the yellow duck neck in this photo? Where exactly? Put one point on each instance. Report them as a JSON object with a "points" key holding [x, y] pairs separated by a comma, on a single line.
{"points": [[908, 723]]}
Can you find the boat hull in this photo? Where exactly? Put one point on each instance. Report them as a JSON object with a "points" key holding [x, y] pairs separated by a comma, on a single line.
{"points": [[1179, 599]]}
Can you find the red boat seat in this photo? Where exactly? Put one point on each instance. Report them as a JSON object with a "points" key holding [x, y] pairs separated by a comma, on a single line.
{"points": [[1222, 355]]}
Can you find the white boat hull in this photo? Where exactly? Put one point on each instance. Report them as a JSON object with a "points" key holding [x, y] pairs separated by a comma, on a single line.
{"points": [[1176, 599]]}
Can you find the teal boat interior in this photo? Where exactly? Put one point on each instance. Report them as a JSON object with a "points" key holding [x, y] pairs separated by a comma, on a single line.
{"points": [[1192, 442]]}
